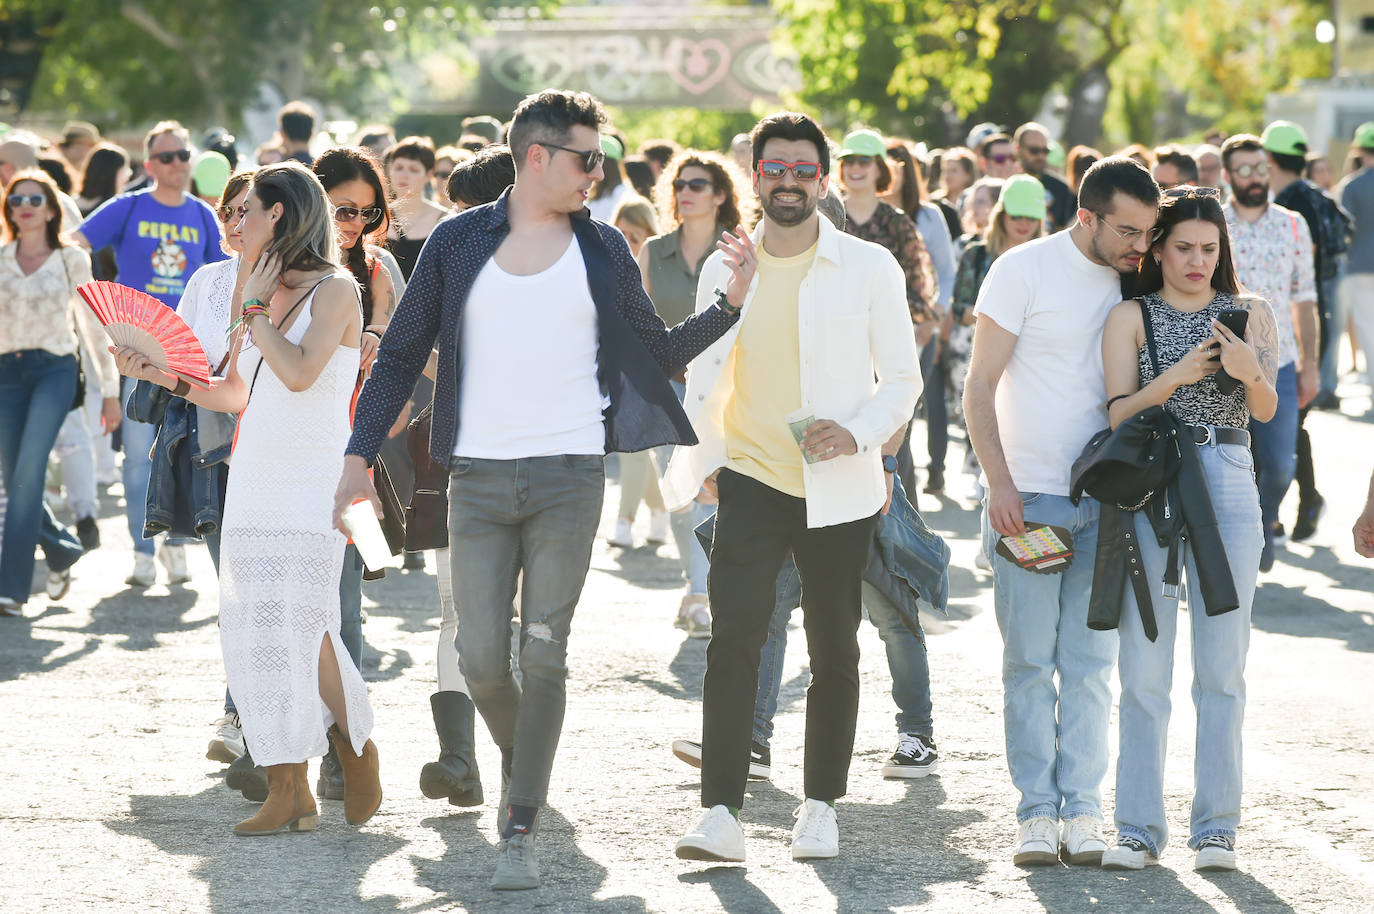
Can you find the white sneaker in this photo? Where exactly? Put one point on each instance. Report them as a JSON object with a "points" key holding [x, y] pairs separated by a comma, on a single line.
{"points": [[1081, 843], [658, 527], [718, 836], [145, 572], [228, 743], [1215, 853], [699, 620], [622, 538], [816, 836], [173, 559], [59, 582], [981, 561], [1037, 842], [1129, 854]]}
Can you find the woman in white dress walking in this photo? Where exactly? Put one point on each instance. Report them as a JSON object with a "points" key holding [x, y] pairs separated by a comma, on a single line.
{"points": [[291, 678]]}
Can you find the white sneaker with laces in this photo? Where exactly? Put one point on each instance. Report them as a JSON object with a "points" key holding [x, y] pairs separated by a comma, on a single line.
{"points": [[1130, 853], [658, 527], [816, 836], [1081, 843], [622, 538], [173, 559], [1215, 853], [144, 573], [228, 743], [1037, 841], [717, 836]]}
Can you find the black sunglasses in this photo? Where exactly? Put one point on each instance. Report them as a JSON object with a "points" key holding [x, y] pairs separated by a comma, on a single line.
{"points": [[372, 216], [34, 200], [591, 158], [166, 158], [230, 213], [696, 185]]}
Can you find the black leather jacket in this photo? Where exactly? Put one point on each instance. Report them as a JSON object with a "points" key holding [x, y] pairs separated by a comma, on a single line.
{"points": [[1183, 508]]}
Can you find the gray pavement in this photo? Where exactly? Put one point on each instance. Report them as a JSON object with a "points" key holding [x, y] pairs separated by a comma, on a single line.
{"points": [[107, 696]]}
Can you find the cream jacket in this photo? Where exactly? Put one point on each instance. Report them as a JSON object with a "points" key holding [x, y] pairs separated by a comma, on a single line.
{"points": [[853, 325]]}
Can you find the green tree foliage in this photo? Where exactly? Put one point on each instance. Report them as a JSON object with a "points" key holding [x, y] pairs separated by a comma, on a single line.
{"points": [[203, 60]]}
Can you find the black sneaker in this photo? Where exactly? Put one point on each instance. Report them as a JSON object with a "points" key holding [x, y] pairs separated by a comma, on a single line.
{"points": [[915, 757], [935, 483], [247, 777], [88, 533], [1280, 535], [760, 760], [1309, 512]]}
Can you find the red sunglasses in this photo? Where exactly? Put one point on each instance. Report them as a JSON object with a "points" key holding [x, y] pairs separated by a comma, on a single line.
{"points": [[802, 171]]}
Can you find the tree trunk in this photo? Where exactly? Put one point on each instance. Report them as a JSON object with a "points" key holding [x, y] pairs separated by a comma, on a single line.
{"points": [[1087, 107]]}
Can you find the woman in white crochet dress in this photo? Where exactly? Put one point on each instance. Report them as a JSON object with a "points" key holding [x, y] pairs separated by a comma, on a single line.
{"points": [[280, 559]]}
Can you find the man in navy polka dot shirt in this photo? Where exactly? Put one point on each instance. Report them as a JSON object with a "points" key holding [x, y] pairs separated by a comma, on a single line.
{"points": [[550, 356]]}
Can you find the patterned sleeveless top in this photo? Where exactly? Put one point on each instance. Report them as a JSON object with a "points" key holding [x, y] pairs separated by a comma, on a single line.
{"points": [[1175, 333]]}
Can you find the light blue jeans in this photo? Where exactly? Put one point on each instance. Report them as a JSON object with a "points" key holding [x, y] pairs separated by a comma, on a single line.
{"points": [[1056, 732], [138, 440], [683, 523], [1219, 647], [1276, 446]]}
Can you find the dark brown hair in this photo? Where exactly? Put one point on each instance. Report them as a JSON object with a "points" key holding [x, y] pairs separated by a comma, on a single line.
{"points": [[1184, 204], [913, 182], [54, 226], [353, 163], [418, 148], [1081, 158]]}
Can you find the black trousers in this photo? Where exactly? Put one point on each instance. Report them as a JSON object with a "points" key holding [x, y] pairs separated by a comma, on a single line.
{"points": [[756, 527]]}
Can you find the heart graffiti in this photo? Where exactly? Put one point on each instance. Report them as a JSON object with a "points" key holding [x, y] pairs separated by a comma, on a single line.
{"points": [[697, 66]]}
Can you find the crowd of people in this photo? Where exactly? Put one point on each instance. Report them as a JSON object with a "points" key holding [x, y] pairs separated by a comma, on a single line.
{"points": [[473, 329]]}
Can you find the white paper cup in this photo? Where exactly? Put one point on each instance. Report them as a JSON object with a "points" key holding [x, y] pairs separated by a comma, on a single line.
{"points": [[366, 532]]}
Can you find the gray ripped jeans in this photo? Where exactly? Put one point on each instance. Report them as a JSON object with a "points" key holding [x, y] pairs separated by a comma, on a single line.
{"points": [[539, 516]]}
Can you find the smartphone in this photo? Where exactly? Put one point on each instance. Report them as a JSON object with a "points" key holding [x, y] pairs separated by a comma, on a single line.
{"points": [[1235, 320]]}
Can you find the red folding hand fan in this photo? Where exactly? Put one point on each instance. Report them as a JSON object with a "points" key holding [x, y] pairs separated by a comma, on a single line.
{"points": [[137, 320]]}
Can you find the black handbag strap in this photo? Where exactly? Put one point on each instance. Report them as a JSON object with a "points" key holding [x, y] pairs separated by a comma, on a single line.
{"points": [[1149, 334], [285, 317]]}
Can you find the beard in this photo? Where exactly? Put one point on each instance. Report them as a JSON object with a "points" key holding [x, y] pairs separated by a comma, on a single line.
{"points": [[1253, 195], [789, 216]]}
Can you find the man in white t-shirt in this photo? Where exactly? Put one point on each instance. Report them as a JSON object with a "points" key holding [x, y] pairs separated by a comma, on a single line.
{"points": [[1035, 394]]}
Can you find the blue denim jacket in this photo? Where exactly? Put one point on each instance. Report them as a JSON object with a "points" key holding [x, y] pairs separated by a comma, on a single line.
{"points": [[185, 494], [907, 563]]}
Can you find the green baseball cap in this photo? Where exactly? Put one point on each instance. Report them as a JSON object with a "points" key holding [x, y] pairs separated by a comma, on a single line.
{"points": [[1023, 196], [1364, 135], [211, 172], [1285, 138], [612, 147], [862, 143]]}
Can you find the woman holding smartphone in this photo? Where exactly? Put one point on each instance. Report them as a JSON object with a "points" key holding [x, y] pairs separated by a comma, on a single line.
{"points": [[1188, 281]]}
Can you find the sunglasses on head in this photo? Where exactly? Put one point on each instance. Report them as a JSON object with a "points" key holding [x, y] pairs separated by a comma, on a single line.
{"points": [[1244, 171], [802, 171], [695, 185], [591, 158], [166, 158], [34, 200], [371, 216], [1191, 190]]}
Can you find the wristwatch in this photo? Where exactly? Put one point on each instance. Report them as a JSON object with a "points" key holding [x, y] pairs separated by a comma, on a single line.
{"points": [[889, 464]]}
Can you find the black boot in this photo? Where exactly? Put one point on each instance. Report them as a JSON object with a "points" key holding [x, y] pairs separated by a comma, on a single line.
{"points": [[455, 774], [330, 785], [247, 777]]}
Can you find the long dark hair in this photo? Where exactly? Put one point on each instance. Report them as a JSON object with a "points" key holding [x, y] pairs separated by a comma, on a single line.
{"points": [[913, 182], [1184, 204], [100, 178], [725, 179], [304, 235], [353, 163]]}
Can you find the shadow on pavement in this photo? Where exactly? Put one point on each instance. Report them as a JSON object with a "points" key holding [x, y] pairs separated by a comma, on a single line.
{"points": [[22, 653], [1248, 894], [145, 620], [1084, 888], [1286, 610], [319, 870], [461, 874]]}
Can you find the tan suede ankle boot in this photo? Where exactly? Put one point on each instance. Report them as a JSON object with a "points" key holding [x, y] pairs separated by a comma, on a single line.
{"points": [[362, 785], [289, 806]]}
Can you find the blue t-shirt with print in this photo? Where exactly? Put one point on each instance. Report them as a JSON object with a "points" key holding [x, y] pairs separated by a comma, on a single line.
{"points": [[157, 247]]}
